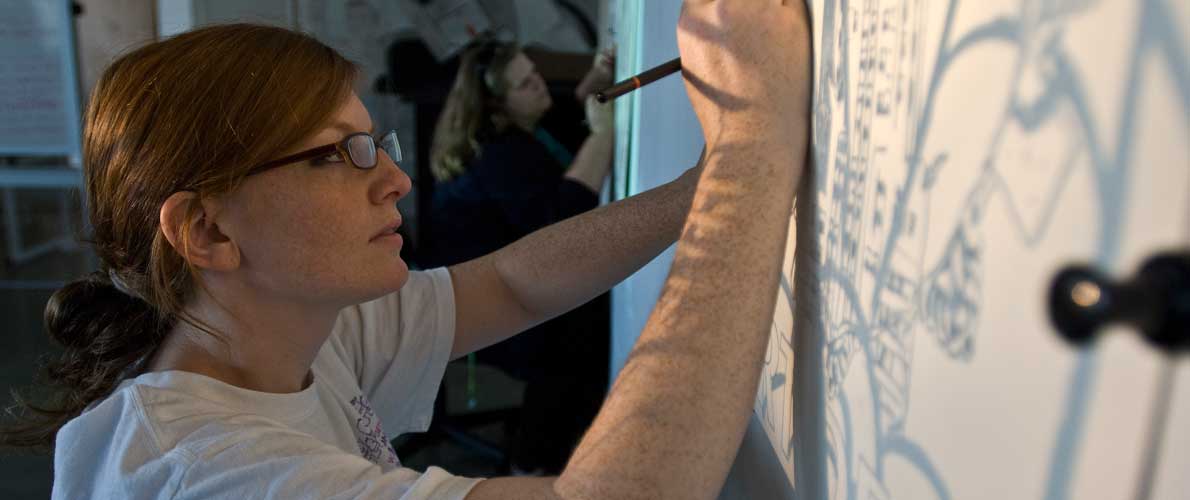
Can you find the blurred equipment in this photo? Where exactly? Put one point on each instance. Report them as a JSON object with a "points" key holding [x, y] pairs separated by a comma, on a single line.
{"points": [[40, 127], [446, 26], [1156, 302]]}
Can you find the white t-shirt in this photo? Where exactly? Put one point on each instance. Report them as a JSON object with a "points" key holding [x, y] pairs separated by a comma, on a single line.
{"points": [[180, 435]]}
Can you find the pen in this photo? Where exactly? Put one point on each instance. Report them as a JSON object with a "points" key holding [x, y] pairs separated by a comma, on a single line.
{"points": [[640, 80]]}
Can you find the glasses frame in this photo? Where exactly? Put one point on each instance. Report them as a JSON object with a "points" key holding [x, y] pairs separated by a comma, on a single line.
{"points": [[341, 148]]}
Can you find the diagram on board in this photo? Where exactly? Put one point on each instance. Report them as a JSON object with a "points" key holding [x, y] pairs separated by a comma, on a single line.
{"points": [[900, 233]]}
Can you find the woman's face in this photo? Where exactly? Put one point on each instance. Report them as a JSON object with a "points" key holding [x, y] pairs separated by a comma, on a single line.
{"points": [[321, 231], [527, 98]]}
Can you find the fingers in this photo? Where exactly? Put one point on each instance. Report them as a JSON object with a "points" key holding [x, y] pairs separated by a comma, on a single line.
{"points": [[600, 116], [604, 61]]}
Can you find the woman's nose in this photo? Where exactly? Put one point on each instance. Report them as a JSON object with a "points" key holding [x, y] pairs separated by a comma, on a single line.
{"points": [[395, 181]]}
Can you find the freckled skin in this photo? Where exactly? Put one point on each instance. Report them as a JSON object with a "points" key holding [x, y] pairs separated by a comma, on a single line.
{"points": [[286, 251], [304, 229]]}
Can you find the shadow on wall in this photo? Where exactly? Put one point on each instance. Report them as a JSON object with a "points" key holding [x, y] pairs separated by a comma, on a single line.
{"points": [[881, 278]]}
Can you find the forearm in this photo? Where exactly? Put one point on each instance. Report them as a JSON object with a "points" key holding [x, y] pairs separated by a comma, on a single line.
{"points": [[566, 264], [593, 161], [674, 419], [561, 266]]}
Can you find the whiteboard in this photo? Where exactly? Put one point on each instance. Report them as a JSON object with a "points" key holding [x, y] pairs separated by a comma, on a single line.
{"points": [[964, 152], [39, 90]]}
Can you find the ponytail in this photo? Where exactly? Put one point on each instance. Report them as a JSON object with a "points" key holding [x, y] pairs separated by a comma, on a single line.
{"points": [[107, 333]]}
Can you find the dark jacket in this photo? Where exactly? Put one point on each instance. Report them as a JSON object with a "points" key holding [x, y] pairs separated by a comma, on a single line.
{"points": [[511, 189], [514, 187]]}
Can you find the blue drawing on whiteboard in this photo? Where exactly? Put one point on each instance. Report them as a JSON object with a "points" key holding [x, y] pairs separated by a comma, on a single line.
{"points": [[878, 90]]}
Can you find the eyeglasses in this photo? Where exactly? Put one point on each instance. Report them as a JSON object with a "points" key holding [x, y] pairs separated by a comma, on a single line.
{"points": [[359, 148]]}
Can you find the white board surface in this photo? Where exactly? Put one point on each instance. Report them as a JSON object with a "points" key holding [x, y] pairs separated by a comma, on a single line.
{"points": [[964, 152]]}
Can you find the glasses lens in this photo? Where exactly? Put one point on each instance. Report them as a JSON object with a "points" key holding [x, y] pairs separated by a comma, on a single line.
{"points": [[390, 145], [362, 150]]}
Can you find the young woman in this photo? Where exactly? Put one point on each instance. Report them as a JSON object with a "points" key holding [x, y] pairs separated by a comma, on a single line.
{"points": [[494, 112], [501, 176], [254, 334]]}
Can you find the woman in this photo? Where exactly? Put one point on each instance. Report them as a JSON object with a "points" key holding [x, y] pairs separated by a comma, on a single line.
{"points": [[253, 332], [500, 177], [499, 174]]}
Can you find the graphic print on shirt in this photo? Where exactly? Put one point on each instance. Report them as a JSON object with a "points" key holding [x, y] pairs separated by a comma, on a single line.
{"points": [[373, 443]]}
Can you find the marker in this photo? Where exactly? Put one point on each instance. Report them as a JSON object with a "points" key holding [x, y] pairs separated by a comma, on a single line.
{"points": [[640, 80]]}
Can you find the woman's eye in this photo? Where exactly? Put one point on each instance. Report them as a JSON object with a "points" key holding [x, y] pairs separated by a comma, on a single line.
{"points": [[331, 158]]}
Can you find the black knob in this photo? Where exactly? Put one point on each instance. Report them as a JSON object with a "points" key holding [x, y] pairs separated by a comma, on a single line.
{"points": [[1156, 302]]}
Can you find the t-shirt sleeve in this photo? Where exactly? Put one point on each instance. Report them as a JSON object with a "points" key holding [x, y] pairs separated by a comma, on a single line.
{"points": [[286, 464], [398, 347], [528, 188]]}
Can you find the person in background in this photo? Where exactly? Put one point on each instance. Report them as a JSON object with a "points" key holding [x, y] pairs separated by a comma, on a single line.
{"points": [[501, 176], [253, 332]]}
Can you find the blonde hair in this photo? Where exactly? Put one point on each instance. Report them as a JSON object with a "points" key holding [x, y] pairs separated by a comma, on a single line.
{"points": [[474, 109]]}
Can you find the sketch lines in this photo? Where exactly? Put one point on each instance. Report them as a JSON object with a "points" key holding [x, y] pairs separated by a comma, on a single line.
{"points": [[882, 68]]}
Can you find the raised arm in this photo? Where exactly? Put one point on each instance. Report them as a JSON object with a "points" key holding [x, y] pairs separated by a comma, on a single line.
{"points": [[594, 158], [676, 415], [558, 267]]}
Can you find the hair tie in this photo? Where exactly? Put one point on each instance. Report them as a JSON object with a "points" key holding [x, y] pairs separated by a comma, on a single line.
{"points": [[120, 285]]}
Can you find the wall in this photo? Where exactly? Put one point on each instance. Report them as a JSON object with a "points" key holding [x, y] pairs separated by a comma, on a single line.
{"points": [[964, 152], [109, 28]]}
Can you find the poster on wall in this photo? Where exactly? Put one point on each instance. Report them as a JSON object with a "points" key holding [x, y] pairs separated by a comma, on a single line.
{"points": [[446, 26], [39, 90]]}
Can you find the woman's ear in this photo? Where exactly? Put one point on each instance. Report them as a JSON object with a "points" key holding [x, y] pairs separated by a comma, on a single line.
{"points": [[189, 225]]}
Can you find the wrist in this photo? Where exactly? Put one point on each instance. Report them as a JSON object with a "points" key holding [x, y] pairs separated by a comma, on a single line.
{"points": [[602, 134], [784, 137], [760, 127]]}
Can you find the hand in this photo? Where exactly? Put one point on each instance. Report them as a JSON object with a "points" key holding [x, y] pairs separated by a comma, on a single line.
{"points": [[600, 76], [601, 118], [746, 66], [604, 66]]}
